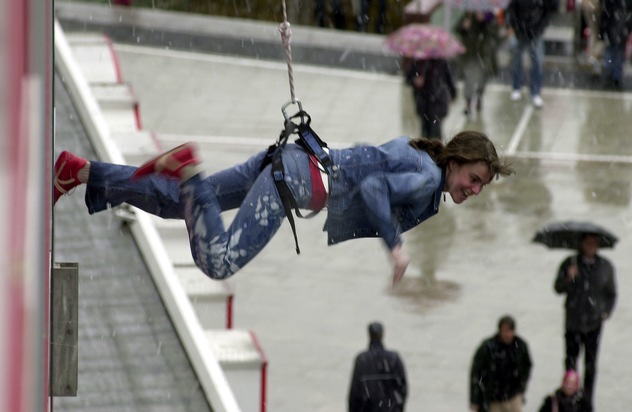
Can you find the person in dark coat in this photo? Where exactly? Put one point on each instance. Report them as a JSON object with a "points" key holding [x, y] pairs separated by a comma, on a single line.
{"points": [[527, 20], [500, 371], [567, 398], [479, 33], [588, 280], [433, 90], [614, 29], [378, 381]]}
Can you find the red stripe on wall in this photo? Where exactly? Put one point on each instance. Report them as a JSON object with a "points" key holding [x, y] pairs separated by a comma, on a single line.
{"points": [[264, 367], [16, 60], [48, 130]]}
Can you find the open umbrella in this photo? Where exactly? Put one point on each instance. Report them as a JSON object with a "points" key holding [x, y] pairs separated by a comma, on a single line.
{"points": [[482, 5], [566, 235], [424, 41]]}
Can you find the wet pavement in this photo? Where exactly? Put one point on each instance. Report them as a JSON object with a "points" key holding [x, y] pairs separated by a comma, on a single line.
{"points": [[471, 264]]}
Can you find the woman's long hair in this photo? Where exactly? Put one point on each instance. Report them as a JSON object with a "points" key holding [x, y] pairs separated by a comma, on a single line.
{"points": [[466, 147]]}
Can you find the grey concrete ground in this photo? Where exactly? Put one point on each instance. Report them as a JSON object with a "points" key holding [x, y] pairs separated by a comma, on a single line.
{"points": [[471, 264]]}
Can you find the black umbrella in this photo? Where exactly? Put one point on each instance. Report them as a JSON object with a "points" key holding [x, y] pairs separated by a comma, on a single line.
{"points": [[566, 235]]}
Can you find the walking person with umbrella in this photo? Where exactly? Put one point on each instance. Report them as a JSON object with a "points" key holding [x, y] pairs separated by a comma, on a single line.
{"points": [[588, 280], [429, 47], [434, 89]]}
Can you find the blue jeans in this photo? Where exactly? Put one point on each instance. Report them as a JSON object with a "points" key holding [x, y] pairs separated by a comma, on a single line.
{"points": [[218, 251], [614, 58], [536, 53]]}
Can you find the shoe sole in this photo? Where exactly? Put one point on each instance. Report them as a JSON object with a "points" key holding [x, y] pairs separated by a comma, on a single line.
{"points": [[157, 164]]}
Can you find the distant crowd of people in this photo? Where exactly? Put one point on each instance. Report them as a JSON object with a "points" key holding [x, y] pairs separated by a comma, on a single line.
{"points": [[501, 366], [522, 24]]}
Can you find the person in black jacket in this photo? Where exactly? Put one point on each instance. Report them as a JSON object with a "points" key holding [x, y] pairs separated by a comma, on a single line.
{"points": [[567, 398], [433, 90], [527, 20], [378, 382], [588, 280], [614, 29], [500, 371]]}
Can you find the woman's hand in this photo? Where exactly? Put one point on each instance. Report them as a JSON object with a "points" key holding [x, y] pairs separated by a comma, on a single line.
{"points": [[400, 260]]}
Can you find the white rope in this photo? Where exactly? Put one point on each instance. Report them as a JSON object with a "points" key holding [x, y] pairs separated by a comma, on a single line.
{"points": [[286, 37]]}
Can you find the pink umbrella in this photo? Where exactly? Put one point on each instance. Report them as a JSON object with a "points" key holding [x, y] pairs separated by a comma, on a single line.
{"points": [[482, 5], [424, 41]]}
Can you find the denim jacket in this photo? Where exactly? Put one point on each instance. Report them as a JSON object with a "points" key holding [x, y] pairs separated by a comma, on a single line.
{"points": [[381, 191]]}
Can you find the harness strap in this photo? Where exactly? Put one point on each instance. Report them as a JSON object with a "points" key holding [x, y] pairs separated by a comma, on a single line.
{"points": [[286, 196], [314, 146]]}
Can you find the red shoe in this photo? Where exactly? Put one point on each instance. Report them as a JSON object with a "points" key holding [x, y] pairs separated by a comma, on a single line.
{"points": [[169, 163], [66, 168]]}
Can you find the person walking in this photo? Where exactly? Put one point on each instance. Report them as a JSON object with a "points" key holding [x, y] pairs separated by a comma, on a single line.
{"points": [[378, 380], [614, 29], [372, 191], [527, 20], [479, 34], [500, 371], [433, 90], [588, 280], [361, 11], [569, 397], [335, 17], [591, 12]]}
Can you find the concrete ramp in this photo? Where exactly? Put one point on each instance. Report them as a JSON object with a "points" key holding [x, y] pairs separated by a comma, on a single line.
{"points": [[200, 308]]}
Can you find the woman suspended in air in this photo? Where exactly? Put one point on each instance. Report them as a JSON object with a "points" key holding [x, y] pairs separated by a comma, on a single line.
{"points": [[370, 191]]}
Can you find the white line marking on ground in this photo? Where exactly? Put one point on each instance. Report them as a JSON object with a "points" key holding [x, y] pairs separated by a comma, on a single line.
{"points": [[520, 129]]}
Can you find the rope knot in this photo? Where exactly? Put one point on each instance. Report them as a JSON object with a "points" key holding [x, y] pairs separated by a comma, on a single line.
{"points": [[286, 32]]}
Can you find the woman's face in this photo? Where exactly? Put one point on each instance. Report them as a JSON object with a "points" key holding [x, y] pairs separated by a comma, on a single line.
{"points": [[465, 180], [570, 384]]}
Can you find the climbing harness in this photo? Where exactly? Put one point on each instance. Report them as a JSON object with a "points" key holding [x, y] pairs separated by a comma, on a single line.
{"points": [[315, 148], [307, 139]]}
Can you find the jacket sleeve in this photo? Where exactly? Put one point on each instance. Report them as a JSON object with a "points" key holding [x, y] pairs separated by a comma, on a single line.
{"points": [[400, 371], [510, 14], [550, 8], [414, 70], [381, 191], [610, 290], [355, 389], [562, 284], [481, 358], [525, 367], [449, 78], [547, 405]]}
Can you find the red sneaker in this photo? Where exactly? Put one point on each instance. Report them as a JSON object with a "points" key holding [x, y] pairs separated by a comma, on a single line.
{"points": [[66, 168], [169, 163]]}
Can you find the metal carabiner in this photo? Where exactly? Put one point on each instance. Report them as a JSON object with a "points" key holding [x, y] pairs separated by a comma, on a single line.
{"points": [[297, 102]]}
